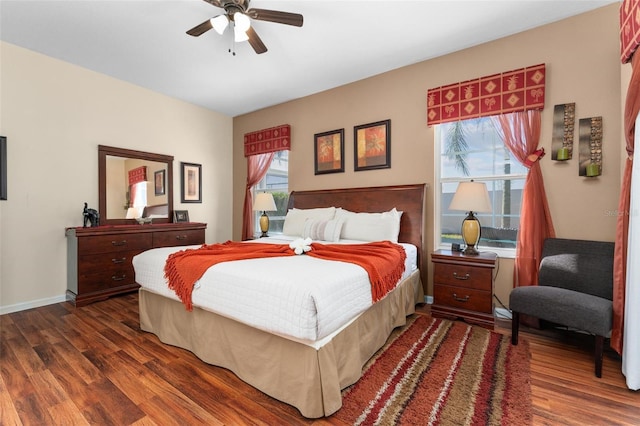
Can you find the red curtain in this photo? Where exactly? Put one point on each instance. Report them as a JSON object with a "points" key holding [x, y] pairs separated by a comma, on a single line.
{"points": [[521, 135], [257, 167], [631, 110]]}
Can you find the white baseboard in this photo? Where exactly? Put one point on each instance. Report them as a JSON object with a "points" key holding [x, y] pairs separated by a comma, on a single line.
{"points": [[31, 304]]}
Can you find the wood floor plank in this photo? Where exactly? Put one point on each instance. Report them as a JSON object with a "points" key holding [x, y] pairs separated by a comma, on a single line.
{"points": [[63, 365]]}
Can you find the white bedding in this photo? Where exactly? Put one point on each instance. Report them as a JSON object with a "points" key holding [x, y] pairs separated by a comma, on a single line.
{"points": [[296, 296]]}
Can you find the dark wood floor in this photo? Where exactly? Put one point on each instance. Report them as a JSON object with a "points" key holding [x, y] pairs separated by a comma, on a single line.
{"points": [[62, 365]]}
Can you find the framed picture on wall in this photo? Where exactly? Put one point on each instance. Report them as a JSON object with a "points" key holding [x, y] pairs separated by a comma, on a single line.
{"points": [[159, 182], [372, 146], [329, 152], [3, 168], [191, 182]]}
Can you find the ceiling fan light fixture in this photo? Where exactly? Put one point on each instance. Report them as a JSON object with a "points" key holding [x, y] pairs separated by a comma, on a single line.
{"points": [[220, 23], [241, 21], [239, 35]]}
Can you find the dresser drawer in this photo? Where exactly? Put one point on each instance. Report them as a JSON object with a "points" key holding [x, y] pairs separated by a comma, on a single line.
{"points": [[105, 261], [178, 238], [463, 275], [114, 243], [463, 298], [103, 280]]}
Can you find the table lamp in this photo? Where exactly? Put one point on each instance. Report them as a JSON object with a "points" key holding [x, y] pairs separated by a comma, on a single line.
{"points": [[264, 201], [471, 197]]}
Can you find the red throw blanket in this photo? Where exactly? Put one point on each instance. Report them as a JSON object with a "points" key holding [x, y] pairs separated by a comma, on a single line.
{"points": [[383, 261]]}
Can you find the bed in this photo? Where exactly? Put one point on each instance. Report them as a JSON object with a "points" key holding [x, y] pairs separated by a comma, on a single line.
{"points": [[307, 371]]}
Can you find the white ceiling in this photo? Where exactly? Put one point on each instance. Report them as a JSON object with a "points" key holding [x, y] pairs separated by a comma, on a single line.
{"points": [[144, 42]]}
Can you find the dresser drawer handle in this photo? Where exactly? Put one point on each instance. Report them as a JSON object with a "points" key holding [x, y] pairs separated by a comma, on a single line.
{"points": [[458, 277], [461, 299], [120, 278], [119, 260], [181, 237], [119, 243]]}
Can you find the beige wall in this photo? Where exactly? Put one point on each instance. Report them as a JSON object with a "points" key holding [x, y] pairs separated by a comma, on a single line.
{"points": [[54, 116], [582, 62]]}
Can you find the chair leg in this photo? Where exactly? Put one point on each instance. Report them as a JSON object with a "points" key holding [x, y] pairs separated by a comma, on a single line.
{"points": [[598, 355], [515, 325]]}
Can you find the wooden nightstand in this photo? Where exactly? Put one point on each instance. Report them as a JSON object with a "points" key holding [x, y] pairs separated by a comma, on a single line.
{"points": [[463, 286]]}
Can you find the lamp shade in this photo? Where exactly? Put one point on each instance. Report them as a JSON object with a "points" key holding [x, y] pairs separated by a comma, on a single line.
{"points": [[264, 202], [471, 197]]}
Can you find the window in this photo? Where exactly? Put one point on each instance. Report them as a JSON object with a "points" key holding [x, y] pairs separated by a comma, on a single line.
{"points": [[275, 181], [472, 149]]}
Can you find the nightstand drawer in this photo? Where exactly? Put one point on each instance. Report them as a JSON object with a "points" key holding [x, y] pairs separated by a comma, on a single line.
{"points": [[463, 275], [463, 298]]}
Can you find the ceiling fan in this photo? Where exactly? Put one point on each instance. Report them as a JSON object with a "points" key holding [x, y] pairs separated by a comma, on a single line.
{"points": [[238, 13]]}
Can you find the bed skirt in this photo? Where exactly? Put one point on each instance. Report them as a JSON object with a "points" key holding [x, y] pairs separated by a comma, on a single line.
{"points": [[307, 378]]}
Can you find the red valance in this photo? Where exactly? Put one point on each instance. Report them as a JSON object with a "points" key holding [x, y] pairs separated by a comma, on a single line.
{"points": [[629, 29], [268, 140], [139, 174], [511, 91]]}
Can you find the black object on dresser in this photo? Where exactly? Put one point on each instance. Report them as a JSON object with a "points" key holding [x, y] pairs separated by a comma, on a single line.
{"points": [[99, 259], [463, 286]]}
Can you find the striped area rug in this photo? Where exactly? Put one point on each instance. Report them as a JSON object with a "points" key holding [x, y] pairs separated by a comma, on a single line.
{"points": [[440, 372]]}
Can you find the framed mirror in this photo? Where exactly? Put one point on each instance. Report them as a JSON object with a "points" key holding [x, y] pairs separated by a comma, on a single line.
{"points": [[134, 184]]}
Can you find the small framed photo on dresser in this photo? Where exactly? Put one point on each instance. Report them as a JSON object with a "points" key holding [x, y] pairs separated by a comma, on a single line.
{"points": [[180, 216]]}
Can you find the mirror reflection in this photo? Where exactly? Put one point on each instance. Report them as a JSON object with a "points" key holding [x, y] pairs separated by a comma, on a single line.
{"points": [[133, 185], [136, 188]]}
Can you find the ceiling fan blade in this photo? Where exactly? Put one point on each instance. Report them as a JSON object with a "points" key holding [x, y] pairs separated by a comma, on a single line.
{"points": [[276, 16], [200, 29], [215, 3], [255, 41]]}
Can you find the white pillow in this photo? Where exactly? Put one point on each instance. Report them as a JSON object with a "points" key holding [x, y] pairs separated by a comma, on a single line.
{"points": [[295, 218], [323, 230], [370, 226]]}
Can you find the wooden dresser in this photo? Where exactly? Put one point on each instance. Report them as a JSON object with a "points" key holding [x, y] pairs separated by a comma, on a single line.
{"points": [[463, 286], [99, 259]]}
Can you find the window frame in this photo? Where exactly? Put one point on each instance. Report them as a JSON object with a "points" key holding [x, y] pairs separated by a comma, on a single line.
{"points": [[505, 252], [261, 187]]}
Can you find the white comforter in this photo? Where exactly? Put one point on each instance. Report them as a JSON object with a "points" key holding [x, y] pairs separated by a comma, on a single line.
{"points": [[297, 297]]}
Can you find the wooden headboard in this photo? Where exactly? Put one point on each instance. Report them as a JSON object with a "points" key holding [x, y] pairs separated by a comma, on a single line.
{"points": [[406, 198]]}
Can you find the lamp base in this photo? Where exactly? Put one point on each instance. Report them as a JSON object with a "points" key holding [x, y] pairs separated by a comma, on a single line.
{"points": [[470, 251], [264, 225], [471, 234]]}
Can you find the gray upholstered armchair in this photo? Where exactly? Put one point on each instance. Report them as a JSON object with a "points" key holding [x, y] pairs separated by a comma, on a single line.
{"points": [[575, 289]]}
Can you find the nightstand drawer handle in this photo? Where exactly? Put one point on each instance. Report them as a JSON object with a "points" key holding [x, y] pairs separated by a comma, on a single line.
{"points": [[461, 299], [457, 277], [119, 260], [120, 278], [181, 237], [119, 243]]}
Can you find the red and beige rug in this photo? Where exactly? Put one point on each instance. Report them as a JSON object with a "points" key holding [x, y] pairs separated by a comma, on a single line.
{"points": [[440, 372]]}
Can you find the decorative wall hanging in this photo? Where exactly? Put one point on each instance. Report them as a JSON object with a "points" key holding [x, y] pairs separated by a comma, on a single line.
{"points": [[3, 168], [590, 141], [191, 183], [372, 146], [329, 152], [511, 91], [268, 140], [562, 139], [629, 29]]}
